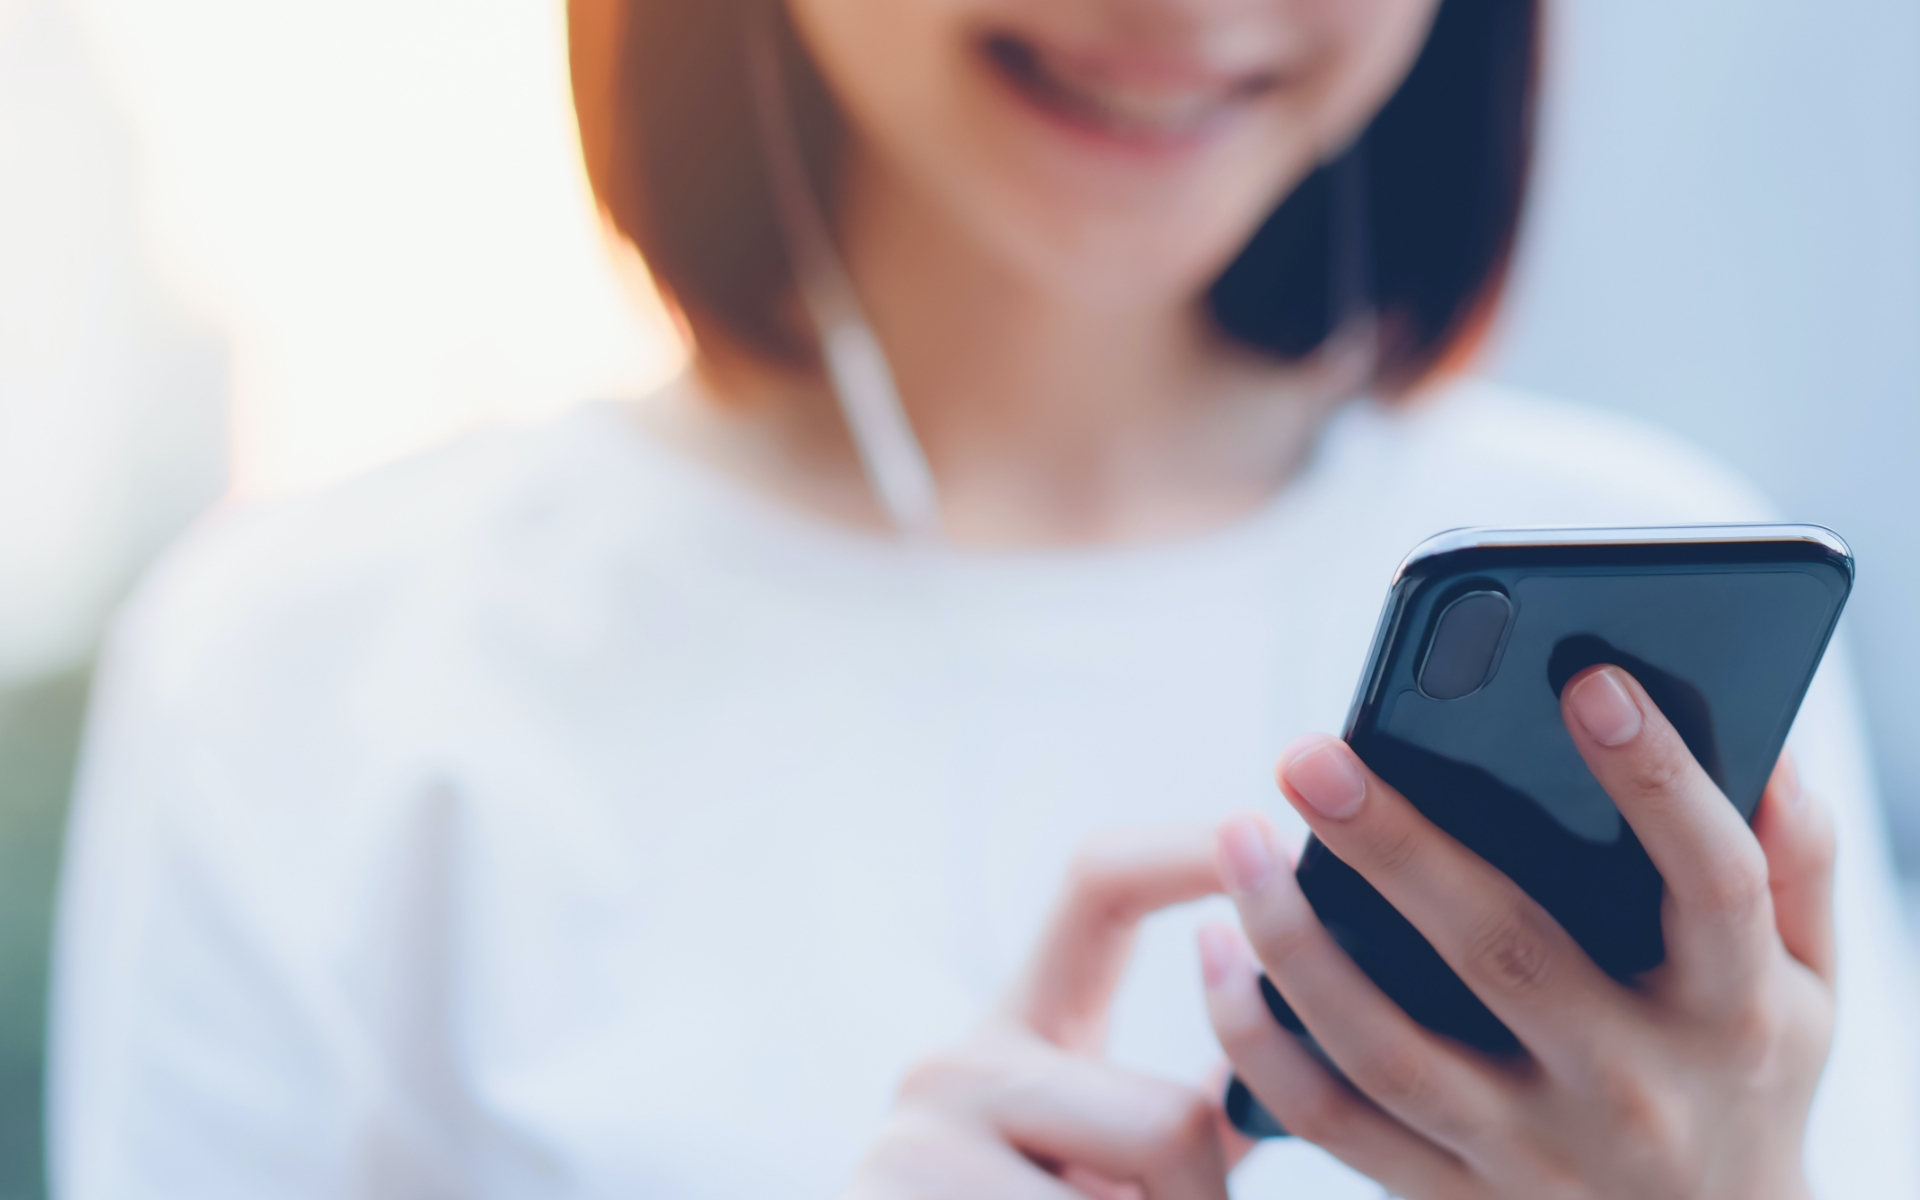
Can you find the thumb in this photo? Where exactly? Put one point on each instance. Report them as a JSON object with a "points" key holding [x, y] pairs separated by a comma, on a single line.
{"points": [[1796, 833], [1116, 879]]}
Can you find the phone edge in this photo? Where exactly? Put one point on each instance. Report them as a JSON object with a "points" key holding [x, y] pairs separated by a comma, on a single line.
{"points": [[1467, 538], [1520, 537]]}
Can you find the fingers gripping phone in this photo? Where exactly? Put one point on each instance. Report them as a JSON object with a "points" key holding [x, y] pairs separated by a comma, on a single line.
{"points": [[1459, 709]]}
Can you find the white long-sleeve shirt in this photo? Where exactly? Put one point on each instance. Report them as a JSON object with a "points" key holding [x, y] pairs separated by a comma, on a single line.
{"points": [[550, 816]]}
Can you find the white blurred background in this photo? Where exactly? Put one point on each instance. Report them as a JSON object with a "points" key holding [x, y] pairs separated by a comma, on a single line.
{"points": [[252, 247]]}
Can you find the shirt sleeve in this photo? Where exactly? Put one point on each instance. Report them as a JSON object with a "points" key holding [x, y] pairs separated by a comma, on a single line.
{"points": [[205, 1042], [1862, 1140]]}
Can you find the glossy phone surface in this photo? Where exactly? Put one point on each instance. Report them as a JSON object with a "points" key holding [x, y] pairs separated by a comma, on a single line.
{"points": [[1459, 709]]}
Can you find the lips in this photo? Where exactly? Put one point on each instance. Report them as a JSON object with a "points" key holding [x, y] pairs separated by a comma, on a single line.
{"points": [[1161, 103]]}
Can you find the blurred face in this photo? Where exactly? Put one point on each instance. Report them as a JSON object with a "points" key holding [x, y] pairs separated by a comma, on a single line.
{"points": [[1122, 150]]}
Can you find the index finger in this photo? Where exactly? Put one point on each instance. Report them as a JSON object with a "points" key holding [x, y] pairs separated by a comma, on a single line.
{"points": [[1718, 912], [1116, 879]]}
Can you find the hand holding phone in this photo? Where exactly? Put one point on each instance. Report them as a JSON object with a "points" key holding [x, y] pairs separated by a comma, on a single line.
{"points": [[1527, 996], [1697, 1084]]}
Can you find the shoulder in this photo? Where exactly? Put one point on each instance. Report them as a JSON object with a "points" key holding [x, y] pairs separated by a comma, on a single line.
{"points": [[291, 592], [1520, 458], [265, 782]]}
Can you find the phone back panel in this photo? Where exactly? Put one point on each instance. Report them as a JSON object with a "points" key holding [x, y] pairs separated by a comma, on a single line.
{"points": [[1724, 630]]}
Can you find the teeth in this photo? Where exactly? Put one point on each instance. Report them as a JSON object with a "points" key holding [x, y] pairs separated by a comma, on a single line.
{"points": [[1163, 112]]}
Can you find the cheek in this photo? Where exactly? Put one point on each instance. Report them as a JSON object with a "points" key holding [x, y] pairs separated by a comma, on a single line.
{"points": [[1372, 45], [887, 62]]}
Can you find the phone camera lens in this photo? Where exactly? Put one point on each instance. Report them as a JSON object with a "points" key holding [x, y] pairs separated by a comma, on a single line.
{"points": [[1466, 642]]}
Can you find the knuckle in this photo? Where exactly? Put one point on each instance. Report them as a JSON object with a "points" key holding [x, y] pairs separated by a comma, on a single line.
{"points": [[1099, 883], [1389, 845], [1092, 869], [1736, 889], [1658, 772], [1635, 1111], [1321, 1112], [1404, 1078], [1507, 951], [1397, 1075]]}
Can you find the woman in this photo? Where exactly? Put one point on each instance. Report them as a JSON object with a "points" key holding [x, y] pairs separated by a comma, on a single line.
{"points": [[628, 808]]}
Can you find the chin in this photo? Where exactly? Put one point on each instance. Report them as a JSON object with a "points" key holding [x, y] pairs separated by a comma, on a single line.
{"points": [[1127, 273], [1129, 244]]}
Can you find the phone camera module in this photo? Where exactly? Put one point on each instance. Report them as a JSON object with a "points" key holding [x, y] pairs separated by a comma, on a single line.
{"points": [[1466, 645]]}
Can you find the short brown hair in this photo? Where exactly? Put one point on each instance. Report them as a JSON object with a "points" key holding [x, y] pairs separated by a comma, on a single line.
{"points": [[673, 153]]}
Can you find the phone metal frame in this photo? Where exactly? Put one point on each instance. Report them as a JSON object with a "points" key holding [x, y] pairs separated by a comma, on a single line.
{"points": [[1796, 542], [1477, 538]]}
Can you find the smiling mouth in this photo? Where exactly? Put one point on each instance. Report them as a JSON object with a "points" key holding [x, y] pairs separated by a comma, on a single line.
{"points": [[1143, 113]]}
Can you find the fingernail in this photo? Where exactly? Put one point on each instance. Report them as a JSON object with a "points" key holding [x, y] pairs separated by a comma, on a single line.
{"points": [[1604, 709], [1245, 854], [1219, 954], [1327, 778]]}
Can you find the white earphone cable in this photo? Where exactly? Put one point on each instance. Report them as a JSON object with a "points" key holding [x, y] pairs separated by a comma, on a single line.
{"points": [[891, 455], [895, 464]]}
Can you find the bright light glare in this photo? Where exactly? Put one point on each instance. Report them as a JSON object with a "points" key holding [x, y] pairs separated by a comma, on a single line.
{"points": [[382, 204]]}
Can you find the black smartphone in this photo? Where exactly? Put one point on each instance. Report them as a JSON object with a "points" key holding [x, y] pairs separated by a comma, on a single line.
{"points": [[1459, 709]]}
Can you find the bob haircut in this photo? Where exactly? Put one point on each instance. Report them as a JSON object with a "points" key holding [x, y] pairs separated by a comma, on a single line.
{"points": [[673, 152]]}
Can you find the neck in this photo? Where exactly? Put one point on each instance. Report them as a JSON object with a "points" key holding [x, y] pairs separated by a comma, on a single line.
{"points": [[1048, 417]]}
